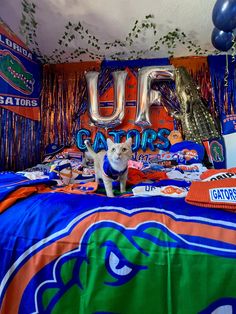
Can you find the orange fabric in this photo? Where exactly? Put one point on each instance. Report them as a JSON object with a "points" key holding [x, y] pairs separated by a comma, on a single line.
{"points": [[19, 194], [136, 176], [200, 194], [218, 174]]}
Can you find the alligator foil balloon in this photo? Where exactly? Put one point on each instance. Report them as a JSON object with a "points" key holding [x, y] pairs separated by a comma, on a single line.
{"points": [[197, 122]]}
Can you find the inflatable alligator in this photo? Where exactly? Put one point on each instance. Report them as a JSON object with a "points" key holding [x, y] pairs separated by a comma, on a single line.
{"points": [[197, 122]]}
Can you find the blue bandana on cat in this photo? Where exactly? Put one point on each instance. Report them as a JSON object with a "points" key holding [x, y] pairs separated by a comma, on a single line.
{"points": [[109, 171]]}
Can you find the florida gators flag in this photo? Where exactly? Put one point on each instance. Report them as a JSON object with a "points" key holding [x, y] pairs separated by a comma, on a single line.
{"points": [[20, 76]]}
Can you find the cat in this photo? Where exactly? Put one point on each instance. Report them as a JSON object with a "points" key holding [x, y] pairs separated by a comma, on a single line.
{"points": [[112, 165]]}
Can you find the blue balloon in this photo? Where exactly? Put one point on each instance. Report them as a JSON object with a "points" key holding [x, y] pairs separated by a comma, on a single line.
{"points": [[135, 134], [221, 40], [80, 138], [117, 135], [224, 15], [162, 136], [100, 142], [148, 137]]}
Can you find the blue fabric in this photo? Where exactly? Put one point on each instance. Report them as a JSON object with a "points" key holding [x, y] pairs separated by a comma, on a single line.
{"points": [[50, 212], [56, 210], [11, 128], [109, 171], [10, 182]]}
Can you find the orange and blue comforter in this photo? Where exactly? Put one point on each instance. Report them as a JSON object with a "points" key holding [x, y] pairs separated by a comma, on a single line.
{"points": [[63, 253]]}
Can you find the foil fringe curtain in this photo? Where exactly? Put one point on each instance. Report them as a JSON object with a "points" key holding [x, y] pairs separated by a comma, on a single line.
{"points": [[224, 88], [19, 141], [63, 94]]}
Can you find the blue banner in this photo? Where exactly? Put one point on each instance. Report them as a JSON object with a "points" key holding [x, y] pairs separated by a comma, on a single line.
{"points": [[20, 77]]}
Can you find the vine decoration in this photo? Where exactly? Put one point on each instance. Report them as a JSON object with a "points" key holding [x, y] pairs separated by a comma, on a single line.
{"points": [[78, 33]]}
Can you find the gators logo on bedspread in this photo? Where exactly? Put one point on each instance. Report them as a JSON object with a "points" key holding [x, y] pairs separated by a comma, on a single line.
{"points": [[113, 260], [15, 74]]}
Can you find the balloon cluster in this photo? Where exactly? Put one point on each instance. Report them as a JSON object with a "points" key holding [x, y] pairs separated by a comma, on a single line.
{"points": [[224, 19]]}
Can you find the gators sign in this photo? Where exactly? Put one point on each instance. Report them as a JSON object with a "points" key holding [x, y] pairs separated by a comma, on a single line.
{"points": [[20, 76]]}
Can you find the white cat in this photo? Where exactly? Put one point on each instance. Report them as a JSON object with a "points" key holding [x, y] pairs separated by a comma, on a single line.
{"points": [[112, 165]]}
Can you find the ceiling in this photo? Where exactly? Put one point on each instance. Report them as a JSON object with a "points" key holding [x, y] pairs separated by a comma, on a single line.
{"points": [[83, 30]]}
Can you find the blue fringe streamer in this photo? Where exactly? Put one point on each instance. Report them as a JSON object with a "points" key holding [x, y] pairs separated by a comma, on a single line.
{"points": [[20, 140], [224, 90]]}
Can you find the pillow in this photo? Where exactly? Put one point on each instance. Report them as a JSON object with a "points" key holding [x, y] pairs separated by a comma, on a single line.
{"points": [[188, 152]]}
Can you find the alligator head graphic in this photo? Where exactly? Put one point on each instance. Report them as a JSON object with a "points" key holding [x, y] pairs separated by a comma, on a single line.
{"points": [[15, 74], [111, 256]]}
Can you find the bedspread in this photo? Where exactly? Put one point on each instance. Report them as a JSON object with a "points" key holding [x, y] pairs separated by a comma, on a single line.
{"points": [[63, 253]]}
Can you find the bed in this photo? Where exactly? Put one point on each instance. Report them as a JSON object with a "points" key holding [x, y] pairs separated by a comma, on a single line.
{"points": [[66, 253]]}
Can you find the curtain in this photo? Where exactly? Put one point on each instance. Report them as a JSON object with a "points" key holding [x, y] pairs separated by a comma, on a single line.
{"points": [[20, 139]]}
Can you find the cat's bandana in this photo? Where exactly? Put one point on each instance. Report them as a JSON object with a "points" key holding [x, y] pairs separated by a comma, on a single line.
{"points": [[109, 171]]}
